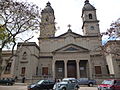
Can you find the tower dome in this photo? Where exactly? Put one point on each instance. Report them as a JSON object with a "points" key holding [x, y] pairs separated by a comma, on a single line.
{"points": [[48, 8], [88, 6], [90, 23], [47, 24]]}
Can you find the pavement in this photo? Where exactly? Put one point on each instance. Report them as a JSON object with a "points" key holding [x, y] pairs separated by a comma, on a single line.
{"points": [[20, 84]]}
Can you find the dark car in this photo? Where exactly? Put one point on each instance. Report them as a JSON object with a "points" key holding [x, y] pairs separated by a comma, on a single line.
{"points": [[42, 84], [110, 84], [86, 81], [7, 81]]}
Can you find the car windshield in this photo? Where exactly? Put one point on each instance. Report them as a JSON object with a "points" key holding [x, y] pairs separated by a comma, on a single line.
{"points": [[65, 80], [71, 80], [39, 82], [110, 82]]}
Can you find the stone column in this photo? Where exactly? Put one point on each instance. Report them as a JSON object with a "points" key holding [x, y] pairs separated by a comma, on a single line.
{"points": [[78, 68], [90, 68], [65, 68], [53, 68]]}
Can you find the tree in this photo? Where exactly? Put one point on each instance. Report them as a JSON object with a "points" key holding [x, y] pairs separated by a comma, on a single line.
{"points": [[114, 30], [114, 33], [16, 18]]}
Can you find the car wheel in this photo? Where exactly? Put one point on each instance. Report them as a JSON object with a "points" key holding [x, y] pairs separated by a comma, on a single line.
{"points": [[7, 84], [90, 84], [76, 88], [11, 84], [63, 88]]}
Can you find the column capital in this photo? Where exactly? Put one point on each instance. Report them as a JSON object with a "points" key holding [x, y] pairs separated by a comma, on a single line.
{"points": [[65, 61], [53, 61], [77, 61]]}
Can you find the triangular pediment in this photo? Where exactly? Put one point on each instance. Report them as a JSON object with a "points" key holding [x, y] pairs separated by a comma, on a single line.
{"points": [[71, 48], [70, 33]]}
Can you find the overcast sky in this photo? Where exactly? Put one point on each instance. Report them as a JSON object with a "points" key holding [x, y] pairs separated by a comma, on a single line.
{"points": [[69, 12]]}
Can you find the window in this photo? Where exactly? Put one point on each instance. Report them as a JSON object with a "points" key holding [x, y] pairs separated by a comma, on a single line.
{"points": [[119, 68], [36, 70], [24, 55], [23, 71], [98, 70], [90, 16], [45, 71], [8, 67], [71, 49], [107, 69], [60, 70]]}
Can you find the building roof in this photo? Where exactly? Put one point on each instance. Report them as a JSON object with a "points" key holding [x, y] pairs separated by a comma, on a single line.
{"points": [[6, 52], [88, 6], [28, 44], [117, 42], [48, 8]]}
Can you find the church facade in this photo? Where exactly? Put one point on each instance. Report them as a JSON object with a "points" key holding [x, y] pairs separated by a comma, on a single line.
{"points": [[66, 55]]}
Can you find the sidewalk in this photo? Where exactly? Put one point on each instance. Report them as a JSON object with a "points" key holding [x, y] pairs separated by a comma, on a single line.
{"points": [[20, 84]]}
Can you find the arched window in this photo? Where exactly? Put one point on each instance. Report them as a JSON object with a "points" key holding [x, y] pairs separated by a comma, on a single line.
{"points": [[8, 67], [90, 16], [92, 28], [24, 55], [23, 69]]}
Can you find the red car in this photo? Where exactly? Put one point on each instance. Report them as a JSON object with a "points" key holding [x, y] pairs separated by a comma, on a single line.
{"points": [[110, 84]]}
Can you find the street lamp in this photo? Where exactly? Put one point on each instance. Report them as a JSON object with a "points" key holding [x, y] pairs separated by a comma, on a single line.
{"points": [[0, 43]]}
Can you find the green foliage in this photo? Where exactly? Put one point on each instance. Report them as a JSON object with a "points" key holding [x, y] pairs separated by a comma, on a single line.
{"points": [[3, 33], [16, 18]]}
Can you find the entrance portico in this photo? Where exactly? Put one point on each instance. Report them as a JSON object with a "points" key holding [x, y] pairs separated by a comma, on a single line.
{"points": [[71, 61], [71, 69]]}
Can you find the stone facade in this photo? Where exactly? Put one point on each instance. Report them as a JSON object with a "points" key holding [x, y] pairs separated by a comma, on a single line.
{"points": [[67, 55], [112, 54], [26, 60]]}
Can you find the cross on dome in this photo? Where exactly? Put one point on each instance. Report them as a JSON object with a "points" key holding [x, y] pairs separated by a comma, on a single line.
{"points": [[69, 26], [87, 1]]}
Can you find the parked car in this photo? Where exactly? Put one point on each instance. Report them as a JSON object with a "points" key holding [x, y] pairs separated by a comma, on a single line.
{"points": [[110, 84], [7, 81], [42, 84], [86, 81], [66, 84]]}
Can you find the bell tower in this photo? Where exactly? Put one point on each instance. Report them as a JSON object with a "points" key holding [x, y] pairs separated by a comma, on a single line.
{"points": [[47, 26], [90, 23]]}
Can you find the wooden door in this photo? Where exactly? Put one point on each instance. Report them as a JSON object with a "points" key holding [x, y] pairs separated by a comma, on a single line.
{"points": [[45, 71], [98, 70], [71, 71]]}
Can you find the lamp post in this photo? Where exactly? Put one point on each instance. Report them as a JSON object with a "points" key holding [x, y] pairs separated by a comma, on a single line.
{"points": [[0, 43], [0, 57]]}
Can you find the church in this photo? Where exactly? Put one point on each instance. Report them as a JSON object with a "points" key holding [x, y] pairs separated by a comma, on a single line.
{"points": [[63, 56]]}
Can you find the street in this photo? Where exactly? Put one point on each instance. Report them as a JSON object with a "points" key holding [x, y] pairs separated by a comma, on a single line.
{"points": [[25, 88]]}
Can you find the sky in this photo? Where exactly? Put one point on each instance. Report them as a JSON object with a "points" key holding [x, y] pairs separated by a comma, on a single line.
{"points": [[70, 11]]}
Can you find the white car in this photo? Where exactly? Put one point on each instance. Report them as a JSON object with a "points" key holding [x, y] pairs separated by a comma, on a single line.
{"points": [[67, 84]]}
